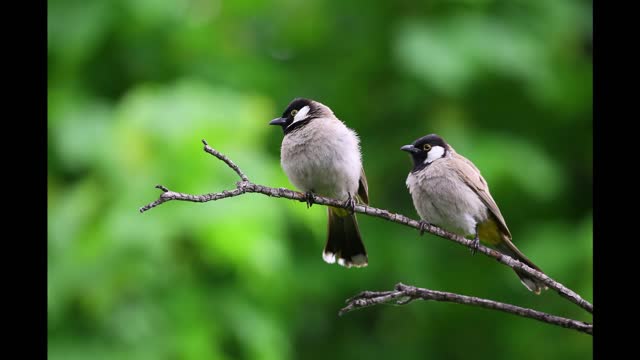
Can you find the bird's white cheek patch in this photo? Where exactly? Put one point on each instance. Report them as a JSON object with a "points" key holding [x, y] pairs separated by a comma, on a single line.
{"points": [[435, 153], [302, 114]]}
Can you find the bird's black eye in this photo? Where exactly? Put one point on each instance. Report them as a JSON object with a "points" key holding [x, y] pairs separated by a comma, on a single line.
{"points": [[426, 147], [294, 112]]}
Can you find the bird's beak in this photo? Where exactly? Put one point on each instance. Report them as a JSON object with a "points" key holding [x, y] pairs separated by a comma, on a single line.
{"points": [[278, 121], [410, 148]]}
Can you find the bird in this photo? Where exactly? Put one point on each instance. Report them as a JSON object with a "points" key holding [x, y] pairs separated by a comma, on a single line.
{"points": [[448, 190], [321, 156]]}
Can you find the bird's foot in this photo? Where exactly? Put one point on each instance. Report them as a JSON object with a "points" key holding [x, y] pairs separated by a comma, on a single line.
{"points": [[350, 204], [475, 245], [310, 198], [423, 227]]}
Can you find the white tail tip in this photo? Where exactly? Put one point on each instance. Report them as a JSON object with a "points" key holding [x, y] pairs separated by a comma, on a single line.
{"points": [[359, 260], [329, 257]]}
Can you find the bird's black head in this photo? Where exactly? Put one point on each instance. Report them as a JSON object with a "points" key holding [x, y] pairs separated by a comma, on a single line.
{"points": [[298, 113], [426, 150]]}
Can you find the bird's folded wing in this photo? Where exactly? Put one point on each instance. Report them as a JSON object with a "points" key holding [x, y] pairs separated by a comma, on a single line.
{"points": [[363, 187], [470, 174]]}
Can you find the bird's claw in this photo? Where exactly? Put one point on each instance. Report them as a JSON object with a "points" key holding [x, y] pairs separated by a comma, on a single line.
{"points": [[310, 199], [350, 204], [475, 245], [423, 226]]}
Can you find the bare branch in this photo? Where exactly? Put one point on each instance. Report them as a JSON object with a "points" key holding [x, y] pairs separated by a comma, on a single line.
{"points": [[226, 160], [404, 294], [168, 195], [245, 186]]}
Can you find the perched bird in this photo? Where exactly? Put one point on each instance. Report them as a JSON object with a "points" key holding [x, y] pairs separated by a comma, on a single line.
{"points": [[448, 191], [320, 155]]}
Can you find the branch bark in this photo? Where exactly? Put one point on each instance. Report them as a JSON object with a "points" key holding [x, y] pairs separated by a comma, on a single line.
{"points": [[246, 186], [403, 294]]}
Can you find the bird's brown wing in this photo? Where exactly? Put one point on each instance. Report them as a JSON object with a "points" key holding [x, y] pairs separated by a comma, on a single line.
{"points": [[470, 174], [363, 187]]}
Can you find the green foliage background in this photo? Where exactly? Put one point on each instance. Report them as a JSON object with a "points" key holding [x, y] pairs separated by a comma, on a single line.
{"points": [[134, 85]]}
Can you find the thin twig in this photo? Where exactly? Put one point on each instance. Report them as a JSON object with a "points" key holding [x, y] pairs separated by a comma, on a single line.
{"points": [[226, 160], [245, 186], [404, 294]]}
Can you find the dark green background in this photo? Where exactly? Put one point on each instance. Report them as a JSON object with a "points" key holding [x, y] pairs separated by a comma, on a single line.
{"points": [[135, 84]]}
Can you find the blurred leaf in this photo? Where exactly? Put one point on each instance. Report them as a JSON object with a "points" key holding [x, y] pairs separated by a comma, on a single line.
{"points": [[75, 28], [425, 52]]}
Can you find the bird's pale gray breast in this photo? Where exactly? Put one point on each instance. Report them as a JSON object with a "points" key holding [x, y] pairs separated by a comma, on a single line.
{"points": [[323, 156], [443, 199]]}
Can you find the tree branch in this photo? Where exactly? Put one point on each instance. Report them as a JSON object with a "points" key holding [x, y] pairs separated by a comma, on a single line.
{"points": [[404, 294], [226, 160], [246, 186]]}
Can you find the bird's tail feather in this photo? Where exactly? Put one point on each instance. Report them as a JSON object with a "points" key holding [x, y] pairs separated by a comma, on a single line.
{"points": [[344, 244], [531, 283]]}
